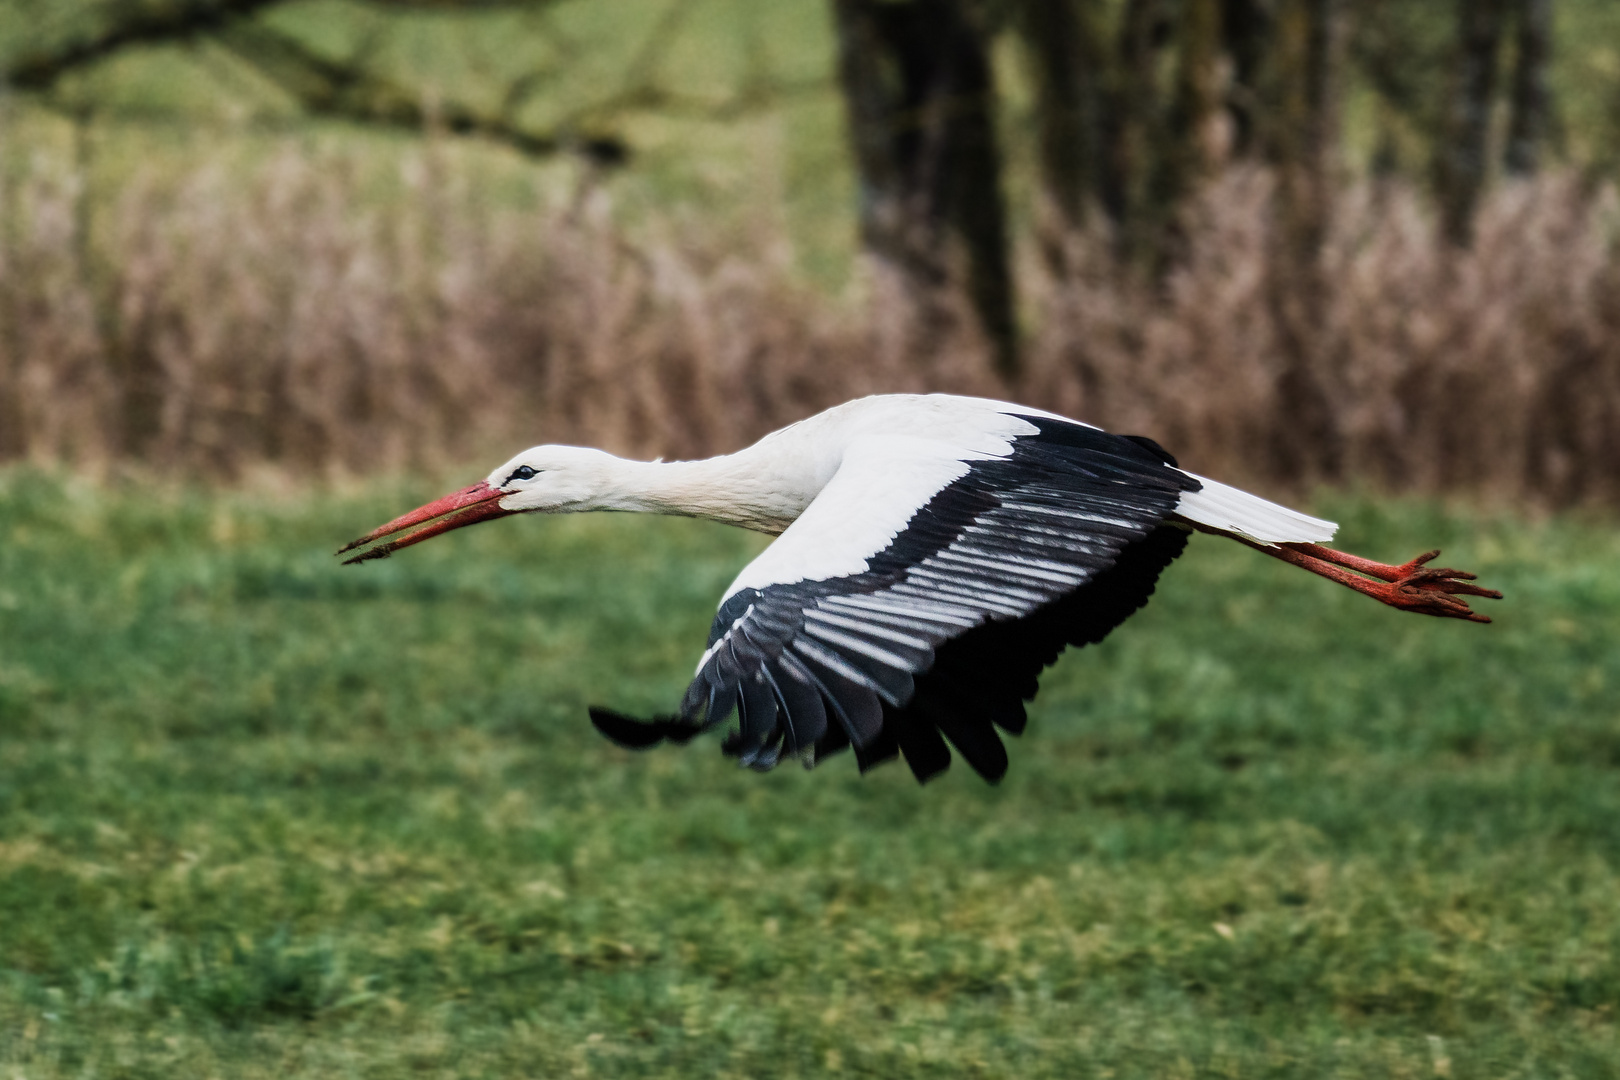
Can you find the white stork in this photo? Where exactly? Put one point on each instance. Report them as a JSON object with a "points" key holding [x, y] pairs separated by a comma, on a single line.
{"points": [[934, 554]]}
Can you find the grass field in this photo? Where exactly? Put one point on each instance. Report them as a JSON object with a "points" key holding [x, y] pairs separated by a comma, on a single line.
{"points": [[264, 816]]}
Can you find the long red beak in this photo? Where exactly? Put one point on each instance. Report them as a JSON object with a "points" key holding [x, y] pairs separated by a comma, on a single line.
{"points": [[465, 507]]}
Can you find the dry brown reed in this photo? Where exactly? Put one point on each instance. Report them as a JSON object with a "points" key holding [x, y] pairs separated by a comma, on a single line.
{"points": [[1493, 371], [214, 324]]}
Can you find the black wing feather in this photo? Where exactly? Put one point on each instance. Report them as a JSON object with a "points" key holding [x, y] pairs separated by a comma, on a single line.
{"points": [[945, 634]]}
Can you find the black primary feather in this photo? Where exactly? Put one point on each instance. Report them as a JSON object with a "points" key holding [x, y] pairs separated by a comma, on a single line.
{"points": [[633, 734]]}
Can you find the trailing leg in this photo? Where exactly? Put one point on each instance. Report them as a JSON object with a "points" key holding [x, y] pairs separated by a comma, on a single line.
{"points": [[1411, 586]]}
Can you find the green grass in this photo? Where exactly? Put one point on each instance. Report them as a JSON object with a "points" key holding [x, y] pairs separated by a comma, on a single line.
{"points": [[264, 816]]}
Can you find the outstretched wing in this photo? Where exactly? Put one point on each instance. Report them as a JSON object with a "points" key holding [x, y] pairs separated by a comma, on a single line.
{"points": [[847, 632]]}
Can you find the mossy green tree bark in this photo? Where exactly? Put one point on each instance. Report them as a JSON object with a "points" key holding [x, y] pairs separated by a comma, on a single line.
{"points": [[1532, 97], [920, 99], [1064, 42], [1464, 161]]}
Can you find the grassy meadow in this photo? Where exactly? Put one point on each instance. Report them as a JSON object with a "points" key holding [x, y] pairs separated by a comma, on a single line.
{"points": [[261, 815]]}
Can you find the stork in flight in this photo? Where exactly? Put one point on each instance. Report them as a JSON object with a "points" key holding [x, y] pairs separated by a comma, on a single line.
{"points": [[934, 554]]}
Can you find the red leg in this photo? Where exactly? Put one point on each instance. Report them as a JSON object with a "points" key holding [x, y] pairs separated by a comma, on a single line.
{"points": [[1412, 586]]}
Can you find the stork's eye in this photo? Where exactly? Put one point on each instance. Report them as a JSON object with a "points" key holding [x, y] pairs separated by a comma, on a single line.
{"points": [[522, 472]]}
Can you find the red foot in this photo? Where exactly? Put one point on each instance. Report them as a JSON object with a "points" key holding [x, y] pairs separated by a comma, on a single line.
{"points": [[1433, 592], [1411, 586]]}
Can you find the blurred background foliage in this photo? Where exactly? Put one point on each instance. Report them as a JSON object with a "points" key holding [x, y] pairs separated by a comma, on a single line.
{"points": [[646, 77], [635, 82], [1380, 232]]}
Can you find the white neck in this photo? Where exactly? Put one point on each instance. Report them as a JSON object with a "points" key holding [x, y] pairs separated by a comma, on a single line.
{"points": [[750, 488]]}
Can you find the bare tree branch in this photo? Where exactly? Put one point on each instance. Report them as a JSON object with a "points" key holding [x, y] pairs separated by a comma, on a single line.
{"points": [[330, 88], [139, 22], [322, 86], [352, 89], [665, 102], [460, 7]]}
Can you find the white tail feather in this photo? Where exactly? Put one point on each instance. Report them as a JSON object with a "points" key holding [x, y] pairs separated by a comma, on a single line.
{"points": [[1226, 509]]}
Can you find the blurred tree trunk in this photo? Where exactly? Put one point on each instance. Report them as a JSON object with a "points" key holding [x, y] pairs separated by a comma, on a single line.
{"points": [[1246, 29], [1464, 158], [1531, 100], [1066, 57], [1134, 114], [1126, 128], [1305, 106], [917, 88], [1196, 138]]}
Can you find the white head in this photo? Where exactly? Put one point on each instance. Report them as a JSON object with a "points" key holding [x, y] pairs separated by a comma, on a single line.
{"points": [[554, 479]]}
